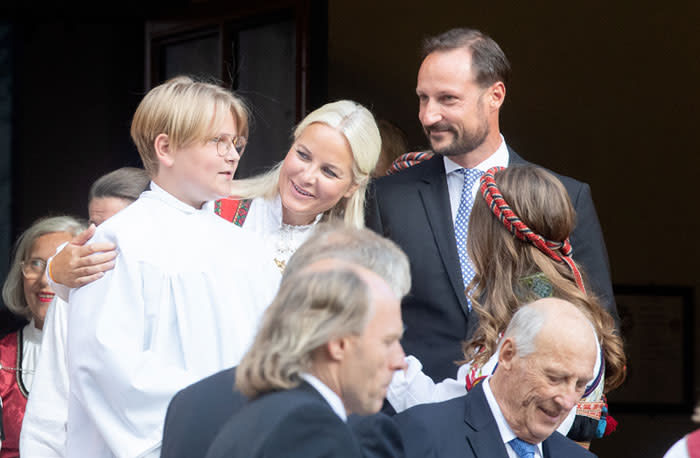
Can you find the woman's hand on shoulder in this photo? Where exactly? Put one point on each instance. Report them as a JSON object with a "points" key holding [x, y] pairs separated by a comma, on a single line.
{"points": [[79, 263]]}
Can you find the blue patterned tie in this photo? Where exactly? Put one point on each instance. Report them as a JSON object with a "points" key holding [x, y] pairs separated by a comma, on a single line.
{"points": [[462, 222], [522, 448]]}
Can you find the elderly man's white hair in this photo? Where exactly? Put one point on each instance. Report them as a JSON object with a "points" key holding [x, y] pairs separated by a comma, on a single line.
{"points": [[529, 320]]}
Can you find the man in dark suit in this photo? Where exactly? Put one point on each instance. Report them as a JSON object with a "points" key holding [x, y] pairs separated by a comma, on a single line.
{"points": [[197, 413], [546, 358], [461, 87], [327, 347]]}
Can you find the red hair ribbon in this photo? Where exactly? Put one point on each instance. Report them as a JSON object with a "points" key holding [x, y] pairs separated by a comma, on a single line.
{"points": [[500, 208]]}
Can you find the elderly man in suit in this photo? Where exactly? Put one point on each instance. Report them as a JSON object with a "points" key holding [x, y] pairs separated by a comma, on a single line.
{"points": [[425, 209], [546, 358]]}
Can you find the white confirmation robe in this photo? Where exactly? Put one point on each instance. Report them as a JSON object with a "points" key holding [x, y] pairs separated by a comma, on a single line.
{"points": [[183, 302]]}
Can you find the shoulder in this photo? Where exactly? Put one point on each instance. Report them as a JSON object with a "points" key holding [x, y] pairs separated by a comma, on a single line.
{"points": [[568, 182], [313, 429], [377, 435], [9, 343], [412, 174], [296, 419], [130, 220], [559, 445], [432, 416], [433, 429], [218, 386], [679, 449], [302, 404]]}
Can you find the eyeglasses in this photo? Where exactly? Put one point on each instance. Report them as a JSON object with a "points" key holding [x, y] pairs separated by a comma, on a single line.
{"points": [[33, 268], [225, 143]]}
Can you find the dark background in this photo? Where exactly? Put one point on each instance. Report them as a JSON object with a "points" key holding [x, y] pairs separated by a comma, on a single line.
{"points": [[606, 92]]}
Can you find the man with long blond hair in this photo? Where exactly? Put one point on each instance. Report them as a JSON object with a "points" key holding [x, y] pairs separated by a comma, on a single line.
{"points": [[328, 347], [187, 435]]}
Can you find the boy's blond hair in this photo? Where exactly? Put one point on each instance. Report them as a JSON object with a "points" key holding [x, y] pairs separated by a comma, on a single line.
{"points": [[186, 111]]}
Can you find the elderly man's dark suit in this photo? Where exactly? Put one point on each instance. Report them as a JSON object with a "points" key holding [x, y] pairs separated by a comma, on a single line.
{"points": [[197, 414], [412, 208], [465, 427]]}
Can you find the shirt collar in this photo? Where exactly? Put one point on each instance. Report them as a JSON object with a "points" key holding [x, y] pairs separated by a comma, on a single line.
{"points": [[329, 395], [161, 194], [499, 158], [32, 333], [507, 434]]}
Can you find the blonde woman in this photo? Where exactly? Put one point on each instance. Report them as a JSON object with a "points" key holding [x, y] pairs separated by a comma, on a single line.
{"points": [[323, 176]]}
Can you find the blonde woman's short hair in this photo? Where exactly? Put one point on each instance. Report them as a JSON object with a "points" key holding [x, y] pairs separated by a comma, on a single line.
{"points": [[359, 128], [187, 111], [311, 308], [13, 288]]}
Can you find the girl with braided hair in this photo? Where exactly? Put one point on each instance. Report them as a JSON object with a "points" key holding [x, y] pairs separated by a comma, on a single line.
{"points": [[518, 243]]}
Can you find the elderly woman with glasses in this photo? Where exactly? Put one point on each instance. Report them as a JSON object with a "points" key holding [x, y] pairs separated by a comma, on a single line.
{"points": [[27, 294]]}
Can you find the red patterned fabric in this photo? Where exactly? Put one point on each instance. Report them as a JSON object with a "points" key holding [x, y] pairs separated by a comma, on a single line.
{"points": [[13, 400], [692, 440], [408, 160], [233, 210]]}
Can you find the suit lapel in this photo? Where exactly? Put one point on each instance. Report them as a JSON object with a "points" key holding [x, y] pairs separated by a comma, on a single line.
{"points": [[436, 202], [482, 431], [545, 449]]}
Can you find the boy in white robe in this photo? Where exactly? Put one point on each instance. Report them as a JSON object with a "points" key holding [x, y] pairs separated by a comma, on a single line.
{"points": [[187, 291]]}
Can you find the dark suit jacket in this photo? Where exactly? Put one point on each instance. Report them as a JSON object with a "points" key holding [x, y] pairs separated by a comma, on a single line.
{"points": [[197, 414], [290, 423], [412, 208], [465, 427]]}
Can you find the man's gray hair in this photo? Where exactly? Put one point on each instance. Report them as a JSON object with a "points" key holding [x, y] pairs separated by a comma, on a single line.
{"points": [[13, 288], [524, 327], [358, 246]]}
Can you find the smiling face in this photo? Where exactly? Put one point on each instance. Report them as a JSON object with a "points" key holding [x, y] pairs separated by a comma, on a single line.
{"points": [[196, 173], [456, 113], [36, 290], [539, 390], [372, 357], [315, 175]]}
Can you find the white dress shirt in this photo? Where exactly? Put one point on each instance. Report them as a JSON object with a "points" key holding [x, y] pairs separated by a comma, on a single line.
{"points": [[455, 180], [329, 395], [182, 302], [506, 433]]}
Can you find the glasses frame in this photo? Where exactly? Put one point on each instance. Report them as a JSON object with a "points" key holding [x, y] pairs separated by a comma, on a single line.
{"points": [[237, 142], [31, 275]]}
